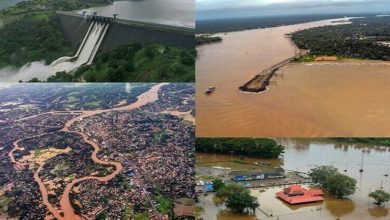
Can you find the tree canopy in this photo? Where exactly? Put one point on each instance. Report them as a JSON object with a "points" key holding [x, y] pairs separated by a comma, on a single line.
{"points": [[256, 147], [330, 179], [360, 39], [141, 63], [340, 185], [242, 202], [238, 199], [380, 196]]}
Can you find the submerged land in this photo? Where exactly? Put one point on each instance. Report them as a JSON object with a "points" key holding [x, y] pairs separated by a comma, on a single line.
{"points": [[283, 77], [347, 157], [96, 151]]}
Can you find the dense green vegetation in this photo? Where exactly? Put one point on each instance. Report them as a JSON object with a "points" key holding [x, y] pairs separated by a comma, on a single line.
{"points": [[256, 147], [218, 184], [330, 179], [31, 38], [380, 196], [31, 31], [137, 63], [33, 6], [164, 204], [207, 39], [361, 39], [237, 198], [373, 141]]}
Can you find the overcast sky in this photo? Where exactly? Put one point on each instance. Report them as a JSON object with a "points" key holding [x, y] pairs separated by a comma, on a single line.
{"points": [[207, 9]]}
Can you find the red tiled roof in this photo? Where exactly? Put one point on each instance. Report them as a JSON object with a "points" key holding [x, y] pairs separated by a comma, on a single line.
{"points": [[296, 194]]}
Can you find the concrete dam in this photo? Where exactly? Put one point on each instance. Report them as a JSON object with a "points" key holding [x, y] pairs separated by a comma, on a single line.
{"points": [[90, 34], [87, 49]]}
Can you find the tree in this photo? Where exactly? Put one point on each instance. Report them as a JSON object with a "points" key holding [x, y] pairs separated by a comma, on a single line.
{"points": [[34, 80], [242, 202], [60, 77], [320, 174], [218, 184], [258, 147], [380, 196], [230, 189], [340, 185]]}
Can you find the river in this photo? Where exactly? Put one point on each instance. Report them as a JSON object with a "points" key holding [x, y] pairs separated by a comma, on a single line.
{"points": [[304, 154], [168, 12], [340, 99]]}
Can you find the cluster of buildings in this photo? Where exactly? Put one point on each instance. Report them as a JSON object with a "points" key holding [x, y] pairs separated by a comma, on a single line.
{"points": [[156, 152]]}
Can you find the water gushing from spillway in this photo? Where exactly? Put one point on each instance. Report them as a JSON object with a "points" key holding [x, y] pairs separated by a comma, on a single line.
{"points": [[86, 51]]}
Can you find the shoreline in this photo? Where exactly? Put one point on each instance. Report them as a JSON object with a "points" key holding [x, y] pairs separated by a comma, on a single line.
{"points": [[221, 33]]}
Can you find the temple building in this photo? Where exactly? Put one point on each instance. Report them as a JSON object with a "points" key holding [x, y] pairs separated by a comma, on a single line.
{"points": [[296, 194]]}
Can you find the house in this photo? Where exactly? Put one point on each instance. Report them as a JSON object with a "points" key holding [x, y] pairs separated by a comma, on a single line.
{"points": [[249, 175]]}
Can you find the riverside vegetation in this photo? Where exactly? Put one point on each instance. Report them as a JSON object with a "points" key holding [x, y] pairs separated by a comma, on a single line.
{"points": [[371, 141], [136, 63], [363, 38], [255, 147]]}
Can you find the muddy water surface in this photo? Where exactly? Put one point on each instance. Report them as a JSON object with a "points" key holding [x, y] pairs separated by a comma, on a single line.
{"points": [[304, 154], [339, 99]]}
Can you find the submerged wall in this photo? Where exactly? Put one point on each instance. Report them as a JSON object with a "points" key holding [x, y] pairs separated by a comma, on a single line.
{"points": [[74, 28]]}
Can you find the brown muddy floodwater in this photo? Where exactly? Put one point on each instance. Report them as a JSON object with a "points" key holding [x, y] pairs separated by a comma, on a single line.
{"points": [[304, 154], [308, 100]]}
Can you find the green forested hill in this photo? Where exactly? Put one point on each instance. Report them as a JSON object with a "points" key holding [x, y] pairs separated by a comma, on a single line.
{"points": [[373, 141], [31, 38], [30, 31]]}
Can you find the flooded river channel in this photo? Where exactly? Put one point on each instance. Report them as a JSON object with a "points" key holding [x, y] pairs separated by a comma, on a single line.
{"points": [[304, 154], [345, 98]]}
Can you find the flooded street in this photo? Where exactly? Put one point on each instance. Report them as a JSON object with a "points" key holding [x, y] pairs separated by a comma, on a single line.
{"points": [[339, 99], [346, 157], [66, 208]]}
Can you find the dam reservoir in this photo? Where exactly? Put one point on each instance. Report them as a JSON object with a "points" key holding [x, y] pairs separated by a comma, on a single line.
{"points": [[168, 12], [340, 98]]}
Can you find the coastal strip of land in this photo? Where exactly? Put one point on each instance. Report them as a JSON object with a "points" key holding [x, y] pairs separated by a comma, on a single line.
{"points": [[261, 81]]}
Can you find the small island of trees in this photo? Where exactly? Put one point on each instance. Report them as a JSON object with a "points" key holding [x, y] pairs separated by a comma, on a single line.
{"points": [[255, 147]]}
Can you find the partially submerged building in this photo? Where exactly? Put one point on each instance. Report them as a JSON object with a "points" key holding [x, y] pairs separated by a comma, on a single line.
{"points": [[296, 194], [249, 175]]}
